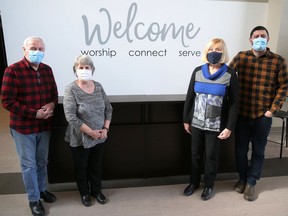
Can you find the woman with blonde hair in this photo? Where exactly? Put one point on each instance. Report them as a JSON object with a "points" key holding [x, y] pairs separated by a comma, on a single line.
{"points": [[210, 114]]}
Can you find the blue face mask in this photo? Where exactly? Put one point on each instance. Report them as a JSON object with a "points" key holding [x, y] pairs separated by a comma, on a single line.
{"points": [[36, 56], [259, 44], [214, 57]]}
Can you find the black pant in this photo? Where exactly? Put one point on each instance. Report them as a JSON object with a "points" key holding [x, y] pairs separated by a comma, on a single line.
{"points": [[204, 154], [88, 168]]}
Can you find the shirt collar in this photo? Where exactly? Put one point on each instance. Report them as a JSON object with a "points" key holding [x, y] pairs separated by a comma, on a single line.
{"points": [[268, 53], [28, 64]]}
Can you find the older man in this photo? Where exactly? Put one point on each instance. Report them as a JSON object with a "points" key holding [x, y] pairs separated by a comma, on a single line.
{"points": [[29, 93]]}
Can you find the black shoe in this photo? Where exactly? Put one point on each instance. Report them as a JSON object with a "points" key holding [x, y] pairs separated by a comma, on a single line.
{"points": [[86, 200], [47, 196], [249, 193], [240, 186], [189, 190], [207, 193], [37, 208], [100, 198]]}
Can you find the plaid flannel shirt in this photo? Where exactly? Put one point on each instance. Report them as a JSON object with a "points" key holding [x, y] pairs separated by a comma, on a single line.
{"points": [[262, 80], [24, 91]]}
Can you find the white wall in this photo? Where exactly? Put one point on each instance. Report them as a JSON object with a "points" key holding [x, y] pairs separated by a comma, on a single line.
{"points": [[277, 22], [60, 24]]}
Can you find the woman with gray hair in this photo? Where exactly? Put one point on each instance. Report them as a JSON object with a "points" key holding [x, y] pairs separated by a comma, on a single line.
{"points": [[88, 112]]}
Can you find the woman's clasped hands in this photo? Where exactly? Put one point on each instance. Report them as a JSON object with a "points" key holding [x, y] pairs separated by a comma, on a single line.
{"points": [[99, 134]]}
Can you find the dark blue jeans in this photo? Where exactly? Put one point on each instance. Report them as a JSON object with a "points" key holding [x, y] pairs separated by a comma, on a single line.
{"points": [[255, 131]]}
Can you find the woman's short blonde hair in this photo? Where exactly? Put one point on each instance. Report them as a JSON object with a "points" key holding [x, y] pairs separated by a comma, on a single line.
{"points": [[218, 43]]}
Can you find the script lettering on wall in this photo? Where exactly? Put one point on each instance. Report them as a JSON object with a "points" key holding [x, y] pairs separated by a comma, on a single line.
{"points": [[131, 29]]}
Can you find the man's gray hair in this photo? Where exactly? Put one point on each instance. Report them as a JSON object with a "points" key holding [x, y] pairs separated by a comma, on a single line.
{"points": [[31, 38]]}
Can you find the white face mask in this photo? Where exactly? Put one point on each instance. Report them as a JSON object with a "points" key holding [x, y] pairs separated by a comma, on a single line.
{"points": [[84, 74]]}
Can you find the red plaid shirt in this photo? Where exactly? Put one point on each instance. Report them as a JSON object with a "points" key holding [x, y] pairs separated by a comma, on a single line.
{"points": [[24, 91], [263, 82]]}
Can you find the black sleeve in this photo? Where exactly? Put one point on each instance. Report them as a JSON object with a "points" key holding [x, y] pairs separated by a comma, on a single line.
{"points": [[190, 96]]}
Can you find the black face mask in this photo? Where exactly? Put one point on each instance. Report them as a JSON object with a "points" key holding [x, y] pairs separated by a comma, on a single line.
{"points": [[214, 57]]}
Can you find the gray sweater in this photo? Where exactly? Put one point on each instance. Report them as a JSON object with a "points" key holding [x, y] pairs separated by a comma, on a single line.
{"points": [[80, 107]]}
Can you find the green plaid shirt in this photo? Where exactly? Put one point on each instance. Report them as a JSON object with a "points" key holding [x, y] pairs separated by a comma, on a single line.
{"points": [[263, 82]]}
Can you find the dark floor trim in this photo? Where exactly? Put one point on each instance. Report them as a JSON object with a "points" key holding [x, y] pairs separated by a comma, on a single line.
{"points": [[11, 183]]}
